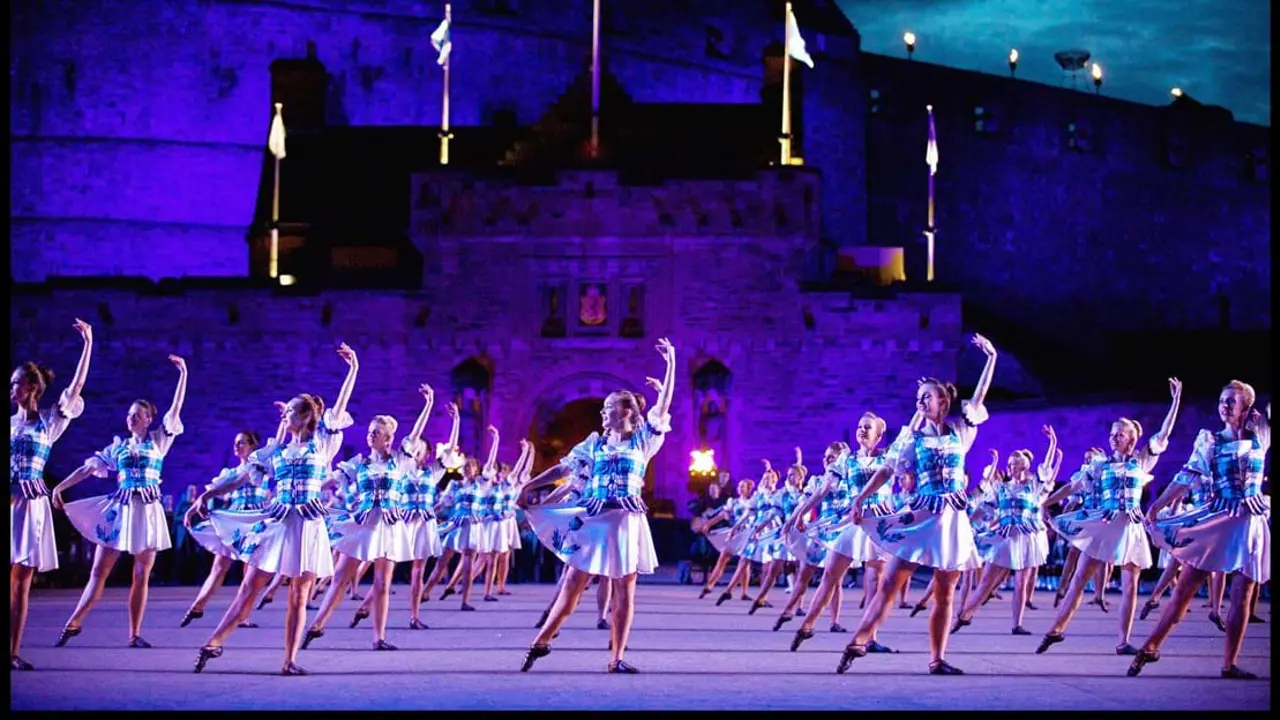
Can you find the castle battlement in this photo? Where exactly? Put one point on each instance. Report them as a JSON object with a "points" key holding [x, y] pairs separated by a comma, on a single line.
{"points": [[584, 203]]}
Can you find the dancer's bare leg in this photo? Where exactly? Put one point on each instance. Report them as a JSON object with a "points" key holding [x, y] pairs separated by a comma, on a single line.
{"points": [[295, 616], [767, 581], [604, 596], [333, 596], [1068, 572], [575, 582], [438, 572], [104, 561], [217, 575], [381, 596], [254, 581], [415, 591], [20, 577], [714, 576], [624, 612], [468, 575], [138, 590], [1075, 594]]}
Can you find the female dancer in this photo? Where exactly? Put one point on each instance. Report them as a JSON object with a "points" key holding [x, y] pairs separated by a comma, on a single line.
{"points": [[420, 516], [729, 540], [1232, 534], [1088, 499], [289, 536], [376, 532], [809, 553], [847, 476], [759, 544], [571, 492], [607, 534], [247, 497], [1114, 533], [933, 531], [491, 498], [1167, 563], [468, 537], [130, 520], [1019, 542], [32, 433], [506, 511], [786, 501]]}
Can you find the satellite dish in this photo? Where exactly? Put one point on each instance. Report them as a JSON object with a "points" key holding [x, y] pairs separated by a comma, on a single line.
{"points": [[1072, 60]]}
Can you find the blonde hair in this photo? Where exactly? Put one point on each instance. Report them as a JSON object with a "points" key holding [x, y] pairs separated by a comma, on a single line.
{"points": [[387, 422], [1133, 425], [1246, 391], [876, 420]]}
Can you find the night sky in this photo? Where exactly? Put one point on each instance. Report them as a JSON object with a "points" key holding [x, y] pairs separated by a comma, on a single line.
{"points": [[1217, 51]]}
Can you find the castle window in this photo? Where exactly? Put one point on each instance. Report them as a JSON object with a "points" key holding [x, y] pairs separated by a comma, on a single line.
{"points": [[979, 119], [501, 7], [1079, 136], [874, 97], [1256, 167], [1175, 152], [717, 45]]}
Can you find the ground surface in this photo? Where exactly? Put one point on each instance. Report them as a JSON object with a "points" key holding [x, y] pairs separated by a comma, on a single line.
{"points": [[693, 656]]}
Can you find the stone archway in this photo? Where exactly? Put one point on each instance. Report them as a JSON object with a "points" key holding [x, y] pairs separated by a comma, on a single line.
{"points": [[566, 411]]}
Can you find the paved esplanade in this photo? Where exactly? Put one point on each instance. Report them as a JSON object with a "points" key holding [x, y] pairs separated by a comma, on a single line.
{"points": [[692, 655]]}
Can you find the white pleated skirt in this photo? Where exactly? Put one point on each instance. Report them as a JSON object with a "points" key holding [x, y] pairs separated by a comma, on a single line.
{"points": [[466, 535], [512, 529], [424, 538], [723, 540], [1118, 541], [1016, 551], [613, 543], [496, 536], [1162, 560], [31, 539], [806, 548], [942, 540], [1217, 541], [370, 540], [131, 527], [207, 537], [293, 546]]}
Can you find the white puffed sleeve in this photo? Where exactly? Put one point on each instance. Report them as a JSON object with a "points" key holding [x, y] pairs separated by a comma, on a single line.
{"points": [[583, 452], [901, 452], [58, 417], [261, 465], [329, 432], [974, 415], [103, 463], [163, 437], [1199, 467]]}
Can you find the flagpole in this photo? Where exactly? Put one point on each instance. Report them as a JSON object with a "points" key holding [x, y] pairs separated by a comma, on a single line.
{"points": [[785, 140], [929, 230], [273, 268], [444, 106], [595, 79]]}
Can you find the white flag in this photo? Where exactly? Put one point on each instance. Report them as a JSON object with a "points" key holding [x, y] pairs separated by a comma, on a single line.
{"points": [[275, 141], [931, 151], [442, 41], [795, 43]]}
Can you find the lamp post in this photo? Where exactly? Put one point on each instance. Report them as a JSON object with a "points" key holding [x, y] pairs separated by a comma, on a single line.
{"points": [[1013, 62], [1097, 79], [909, 38]]}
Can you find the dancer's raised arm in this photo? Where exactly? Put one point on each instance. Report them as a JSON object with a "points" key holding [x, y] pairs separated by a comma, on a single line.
{"points": [[668, 351], [82, 369], [173, 418], [415, 433], [349, 383], [1162, 435], [491, 462], [988, 371]]}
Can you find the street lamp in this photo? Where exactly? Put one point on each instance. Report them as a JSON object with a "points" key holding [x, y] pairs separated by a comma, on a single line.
{"points": [[910, 39], [1013, 62], [1097, 79]]}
